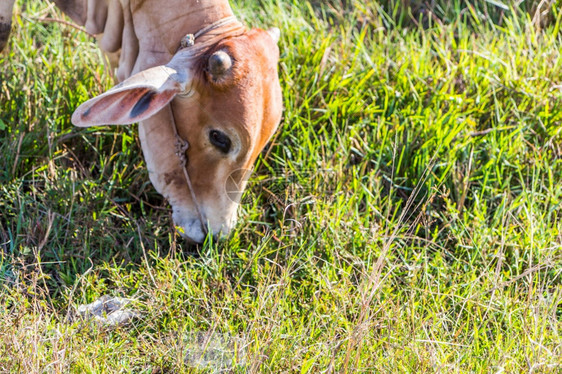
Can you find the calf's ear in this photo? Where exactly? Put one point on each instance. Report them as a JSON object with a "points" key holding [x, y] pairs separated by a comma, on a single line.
{"points": [[135, 99]]}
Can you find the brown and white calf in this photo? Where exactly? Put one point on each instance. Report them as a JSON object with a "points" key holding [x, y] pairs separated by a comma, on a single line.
{"points": [[222, 94]]}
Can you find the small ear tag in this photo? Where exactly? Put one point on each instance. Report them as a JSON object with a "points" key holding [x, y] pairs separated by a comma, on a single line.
{"points": [[181, 147], [187, 41]]}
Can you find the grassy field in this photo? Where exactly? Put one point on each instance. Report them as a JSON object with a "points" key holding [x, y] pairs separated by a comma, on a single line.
{"points": [[405, 218]]}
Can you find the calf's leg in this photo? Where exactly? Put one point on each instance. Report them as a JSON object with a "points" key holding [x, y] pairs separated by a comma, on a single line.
{"points": [[6, 7]]}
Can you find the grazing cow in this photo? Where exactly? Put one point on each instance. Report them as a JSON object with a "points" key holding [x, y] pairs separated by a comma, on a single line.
{"points": [[203, 88]]}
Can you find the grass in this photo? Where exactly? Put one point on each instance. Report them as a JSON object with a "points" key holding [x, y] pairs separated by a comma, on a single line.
{"points": [[405, 218]]}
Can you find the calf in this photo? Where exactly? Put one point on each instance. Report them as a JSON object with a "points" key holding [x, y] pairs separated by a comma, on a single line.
{"points": [[203, 88]]}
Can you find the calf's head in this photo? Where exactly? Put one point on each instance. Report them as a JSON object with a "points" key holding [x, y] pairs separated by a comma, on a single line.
{"points": [[225, 101]]}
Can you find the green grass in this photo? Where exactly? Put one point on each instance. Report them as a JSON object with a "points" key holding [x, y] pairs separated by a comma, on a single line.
{"points": [[405, 218]]}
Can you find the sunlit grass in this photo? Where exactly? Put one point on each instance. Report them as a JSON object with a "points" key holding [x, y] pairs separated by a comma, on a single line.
{"points": [[405, 218]]}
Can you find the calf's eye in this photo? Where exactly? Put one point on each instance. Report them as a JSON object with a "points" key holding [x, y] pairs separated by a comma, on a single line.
{"points": [[220, 140]]}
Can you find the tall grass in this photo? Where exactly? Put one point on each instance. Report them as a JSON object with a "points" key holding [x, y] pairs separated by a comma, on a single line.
{"points": [[405, 218]]}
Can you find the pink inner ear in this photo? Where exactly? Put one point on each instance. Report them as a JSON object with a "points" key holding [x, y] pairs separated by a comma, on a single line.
{"points": [[121, 108]]}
